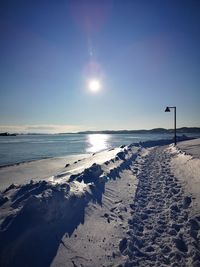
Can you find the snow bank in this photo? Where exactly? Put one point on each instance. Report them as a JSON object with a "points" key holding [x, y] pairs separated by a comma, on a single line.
{"points": [[185, 165], [163, 142], [191, 147], [36, 215]]}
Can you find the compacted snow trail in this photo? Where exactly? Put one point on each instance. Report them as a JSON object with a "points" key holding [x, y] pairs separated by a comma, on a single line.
{"points": [[161, 231]]}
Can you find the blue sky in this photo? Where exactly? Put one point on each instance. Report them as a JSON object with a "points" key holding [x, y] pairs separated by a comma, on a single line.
{"points": [[146, 54]]}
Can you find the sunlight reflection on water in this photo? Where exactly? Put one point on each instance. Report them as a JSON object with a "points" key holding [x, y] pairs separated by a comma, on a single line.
{"points": [[97, 142]]}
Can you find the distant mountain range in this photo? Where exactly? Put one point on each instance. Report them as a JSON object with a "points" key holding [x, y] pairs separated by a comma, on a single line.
{"points": [[153, 131], [182, 130]]}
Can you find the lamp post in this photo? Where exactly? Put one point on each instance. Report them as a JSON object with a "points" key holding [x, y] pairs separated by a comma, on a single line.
{"points": [[168, 110]]}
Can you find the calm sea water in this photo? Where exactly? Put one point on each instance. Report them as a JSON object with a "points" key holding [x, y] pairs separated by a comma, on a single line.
{"points": [[22, 148]]}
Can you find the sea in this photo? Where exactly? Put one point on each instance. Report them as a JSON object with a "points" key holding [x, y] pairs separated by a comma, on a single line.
{"points": [[24, 148]]}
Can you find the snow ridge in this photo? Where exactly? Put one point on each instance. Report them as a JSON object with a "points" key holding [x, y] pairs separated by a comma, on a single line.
{"points": [[36, 215]]}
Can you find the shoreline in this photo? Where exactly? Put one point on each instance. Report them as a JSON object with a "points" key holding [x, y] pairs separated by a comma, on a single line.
{"points": [[34, 160], [48, 167], [35, 170], [146, 143], [14, 156]]}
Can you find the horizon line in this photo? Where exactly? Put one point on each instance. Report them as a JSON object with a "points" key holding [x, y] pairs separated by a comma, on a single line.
{"points": [[98, 131]]}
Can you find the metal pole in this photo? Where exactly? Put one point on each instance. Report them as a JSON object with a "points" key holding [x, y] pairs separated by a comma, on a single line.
{"points": [[175, 126], [168, 110]]}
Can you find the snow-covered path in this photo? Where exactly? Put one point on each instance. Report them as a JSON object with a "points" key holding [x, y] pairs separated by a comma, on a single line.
{"points": [[161, 231], [134, 206]]}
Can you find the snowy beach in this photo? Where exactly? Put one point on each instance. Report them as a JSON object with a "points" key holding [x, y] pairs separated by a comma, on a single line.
{"points": [[135, 205]]}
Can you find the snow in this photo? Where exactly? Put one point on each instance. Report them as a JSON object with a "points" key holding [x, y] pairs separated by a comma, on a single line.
{"points": [[136, 205], [163, 230], [186, 167], [190, 147], [35, 170], [80, 165]]}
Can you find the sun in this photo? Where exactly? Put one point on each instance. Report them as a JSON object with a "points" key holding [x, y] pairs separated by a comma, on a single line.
{"points": [[94, 85]]}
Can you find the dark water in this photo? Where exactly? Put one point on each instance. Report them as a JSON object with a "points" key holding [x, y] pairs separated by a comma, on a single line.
{"points": [[22, 148]]}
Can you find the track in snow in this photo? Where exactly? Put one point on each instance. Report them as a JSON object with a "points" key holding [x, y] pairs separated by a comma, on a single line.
{"points": [[161, 231]]}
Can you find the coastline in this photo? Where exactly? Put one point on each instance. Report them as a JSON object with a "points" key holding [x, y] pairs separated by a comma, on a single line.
{"points": [[52, 169], [35, 170], [41, 169], [26, 148], [35, 160]]}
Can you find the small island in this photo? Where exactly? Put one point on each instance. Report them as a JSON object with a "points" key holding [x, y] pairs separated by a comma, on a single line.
{"points": [[7, 134]]}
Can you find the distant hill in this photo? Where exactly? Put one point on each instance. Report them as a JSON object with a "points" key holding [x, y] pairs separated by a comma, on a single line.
{"points": [[156, 130], [183, 130]]}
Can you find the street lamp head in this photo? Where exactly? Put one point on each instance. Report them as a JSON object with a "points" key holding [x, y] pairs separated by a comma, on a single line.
{"points": [[167, 109]]}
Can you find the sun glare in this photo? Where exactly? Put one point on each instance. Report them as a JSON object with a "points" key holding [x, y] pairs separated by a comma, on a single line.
{"points": [[94, 85], [97, 142]]}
